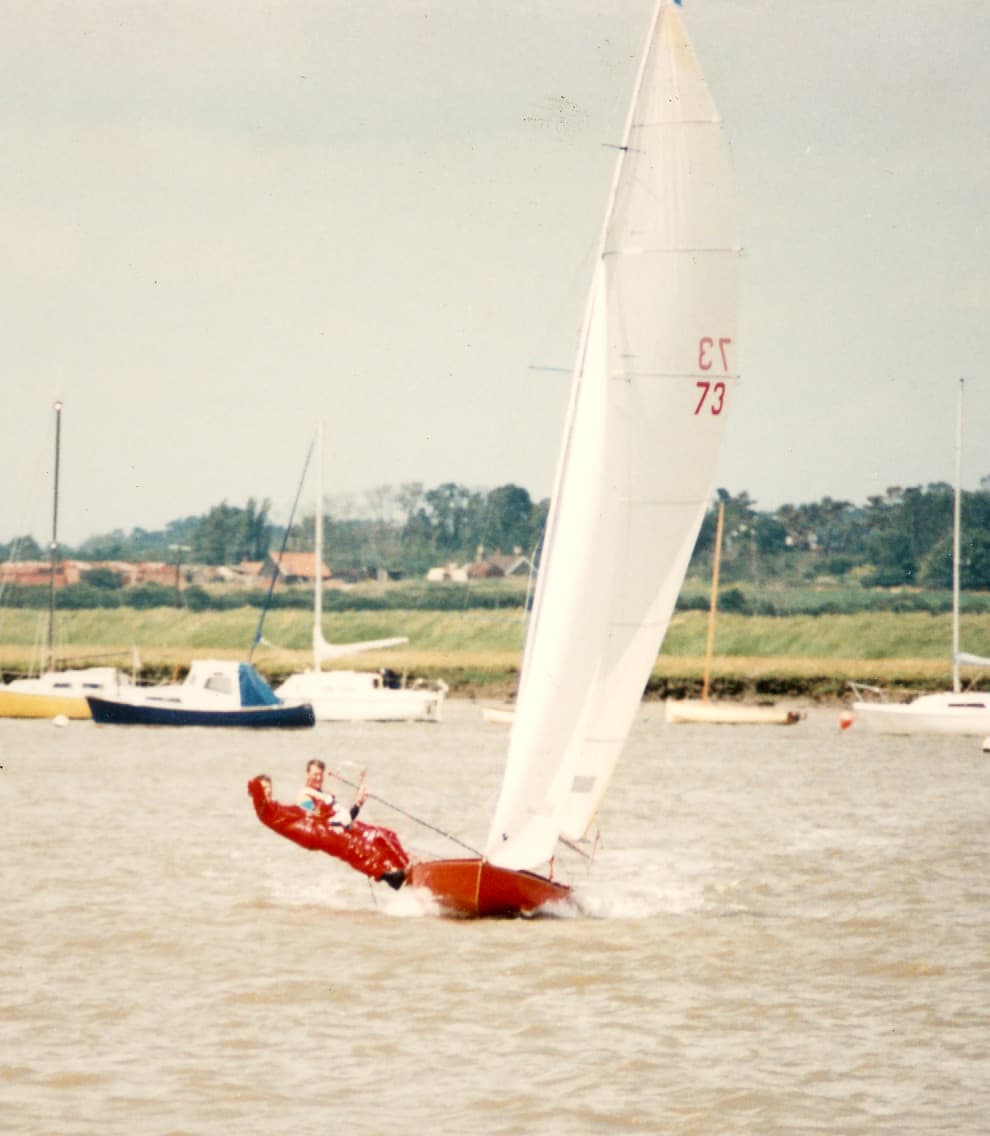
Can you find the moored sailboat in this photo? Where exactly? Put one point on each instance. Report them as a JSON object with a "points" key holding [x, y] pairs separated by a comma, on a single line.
{"points": [[215, 692], [57, 693], [349, 695], [702, 711], [946, 712]]}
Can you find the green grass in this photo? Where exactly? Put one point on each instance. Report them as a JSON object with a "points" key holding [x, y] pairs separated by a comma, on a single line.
{"points": [[755, 655], [866, 635]]}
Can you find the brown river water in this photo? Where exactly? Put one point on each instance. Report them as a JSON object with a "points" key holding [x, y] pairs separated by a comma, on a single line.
{"points": [[786, 930]]}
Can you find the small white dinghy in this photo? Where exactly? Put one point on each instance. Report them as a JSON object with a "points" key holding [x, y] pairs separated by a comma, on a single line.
{"points": [[680, 712]]}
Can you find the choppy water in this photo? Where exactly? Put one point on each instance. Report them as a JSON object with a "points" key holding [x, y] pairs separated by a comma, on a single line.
{"points": [[792, 934]]}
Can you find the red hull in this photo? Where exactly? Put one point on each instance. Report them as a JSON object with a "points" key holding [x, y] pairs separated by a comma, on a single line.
{"points": [[478, 888]]}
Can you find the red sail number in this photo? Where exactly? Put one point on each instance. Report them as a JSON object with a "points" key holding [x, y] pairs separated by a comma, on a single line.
{"points": [[712, 394], [706, 352]]}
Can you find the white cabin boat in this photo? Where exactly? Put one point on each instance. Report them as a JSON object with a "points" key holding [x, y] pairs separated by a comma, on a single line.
{"points": [[60, 694], [215, 692], [947, 712], [362, 696]]}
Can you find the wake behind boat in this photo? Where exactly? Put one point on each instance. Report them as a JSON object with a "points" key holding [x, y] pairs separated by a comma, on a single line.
{"points": [[215, 692]]}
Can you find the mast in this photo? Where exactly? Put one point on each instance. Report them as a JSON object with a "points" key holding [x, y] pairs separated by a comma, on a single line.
{"points": [[956, 517], [318, 554], [49, 662], [713, 605], [322, 650], [281, 556]]}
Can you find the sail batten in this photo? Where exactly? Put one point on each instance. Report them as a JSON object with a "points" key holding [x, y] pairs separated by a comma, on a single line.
{"points": [[655, 376]]}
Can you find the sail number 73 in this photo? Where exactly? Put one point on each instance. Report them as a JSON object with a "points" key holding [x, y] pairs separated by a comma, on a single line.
{"points": [[712, 394]]}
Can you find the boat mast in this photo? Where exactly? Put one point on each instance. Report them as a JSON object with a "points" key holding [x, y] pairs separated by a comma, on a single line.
{"points": [[318, 553], [956, 517], [713, 605], [49, 662]]}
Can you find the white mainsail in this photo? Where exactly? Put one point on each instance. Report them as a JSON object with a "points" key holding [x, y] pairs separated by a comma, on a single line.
{"points": [[652, 386]]}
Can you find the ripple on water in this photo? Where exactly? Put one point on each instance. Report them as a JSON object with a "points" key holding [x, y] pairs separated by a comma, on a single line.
{"points": [[782, 932]]}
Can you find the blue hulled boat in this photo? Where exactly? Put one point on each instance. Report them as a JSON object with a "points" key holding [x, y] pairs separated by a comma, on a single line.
{"points": [[215, 692]]}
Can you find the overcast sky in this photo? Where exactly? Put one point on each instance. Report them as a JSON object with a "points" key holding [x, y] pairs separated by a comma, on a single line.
{"points": [[220, 222]]}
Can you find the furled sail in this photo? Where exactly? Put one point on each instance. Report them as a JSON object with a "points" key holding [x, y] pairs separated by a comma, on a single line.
{"points": [[652, 387]]}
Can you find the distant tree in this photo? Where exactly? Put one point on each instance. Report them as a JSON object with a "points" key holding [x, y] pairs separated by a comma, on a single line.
{"points": [[110, 546], [509, 519], [900, 537], [893, 560], [148, 596], [739, 556], [452, 512], [837, 565], [974, 563], [732, 600], [384, 515], [257, 529], [835, 521], [770, 535], [228, 534], [103, 578], [974, 568], [23, 548], [409, 497], [196, 598], [541, 511], [83, 596], [903, 528]]}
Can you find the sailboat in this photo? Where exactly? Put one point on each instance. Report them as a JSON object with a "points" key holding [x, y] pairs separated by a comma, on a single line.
{"points": [[651, 390], [215, 692], [947, 712], [700, 710], [348, 696], [57, 693]]}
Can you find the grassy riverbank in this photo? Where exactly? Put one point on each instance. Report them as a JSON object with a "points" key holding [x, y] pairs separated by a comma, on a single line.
{"points": [[478, 651]]}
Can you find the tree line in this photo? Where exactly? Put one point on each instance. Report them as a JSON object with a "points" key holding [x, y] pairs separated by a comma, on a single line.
{"points": [[902, 538]]}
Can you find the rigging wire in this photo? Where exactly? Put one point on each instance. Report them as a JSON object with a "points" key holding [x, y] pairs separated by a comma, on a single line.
{"points": [[417, 820], [281, 554]]}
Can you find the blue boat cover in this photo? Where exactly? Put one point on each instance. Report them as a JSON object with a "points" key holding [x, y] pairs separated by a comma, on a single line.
{"points": [[254, 690]]}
